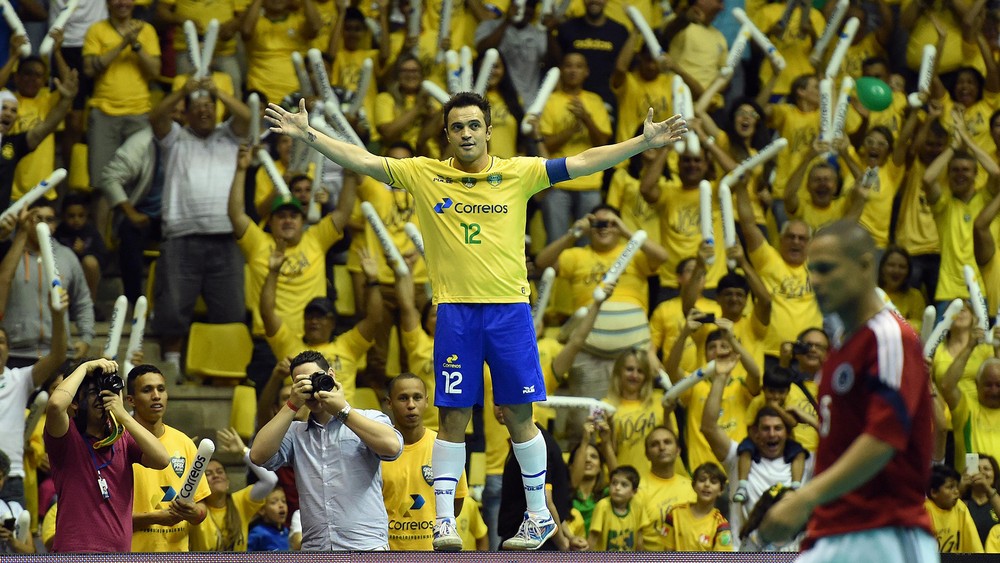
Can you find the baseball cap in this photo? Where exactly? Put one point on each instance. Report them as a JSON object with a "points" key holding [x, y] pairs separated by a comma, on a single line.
{"points": [[286, 202], [320, 305]]}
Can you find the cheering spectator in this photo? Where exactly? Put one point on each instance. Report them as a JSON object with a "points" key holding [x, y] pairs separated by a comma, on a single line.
{"points": [[617, 518], [272, 30], [270, 533], [956, 532], [700, 526]]}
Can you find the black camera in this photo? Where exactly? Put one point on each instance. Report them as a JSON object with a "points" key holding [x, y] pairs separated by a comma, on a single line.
{"points": [[708, 318], [108, 381], [9, 523], [800, 348], [322, 381]]}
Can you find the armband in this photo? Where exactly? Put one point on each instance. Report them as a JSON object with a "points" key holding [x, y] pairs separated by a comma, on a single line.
{"points": [[556, 169]]}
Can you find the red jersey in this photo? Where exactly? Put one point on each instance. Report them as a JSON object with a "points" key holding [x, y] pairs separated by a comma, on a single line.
{"points": [[876, 383]]}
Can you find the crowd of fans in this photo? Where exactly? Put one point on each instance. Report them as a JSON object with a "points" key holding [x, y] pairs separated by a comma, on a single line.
{"points": [[163, 156]]}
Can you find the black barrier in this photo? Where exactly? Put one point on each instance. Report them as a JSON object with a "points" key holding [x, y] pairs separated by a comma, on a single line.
{"points": [[432, 557]]}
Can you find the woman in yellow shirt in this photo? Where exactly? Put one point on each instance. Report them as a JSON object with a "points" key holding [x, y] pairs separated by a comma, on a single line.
{"points": [[229, 514], [506, 113], [404, 112], [893, 278]]}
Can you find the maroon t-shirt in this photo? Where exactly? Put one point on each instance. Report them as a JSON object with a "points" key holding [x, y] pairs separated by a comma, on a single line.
{"points": [[876, 383], [86, 522]]}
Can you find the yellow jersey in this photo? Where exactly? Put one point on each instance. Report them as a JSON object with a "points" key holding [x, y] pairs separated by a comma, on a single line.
{"points": [[680, 231], [687, 532], [916, 230], [616, 532], [583, 268], [121, 89], [732, 418], [208, 535], [954, 219], [794, 308], [556, 117], [155, 489], [955, 530], [636, 213], [657, 497], [475, 221], [36, 165]]}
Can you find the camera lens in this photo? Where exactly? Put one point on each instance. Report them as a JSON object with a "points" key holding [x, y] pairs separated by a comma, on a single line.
{"points": [[321, 382]]}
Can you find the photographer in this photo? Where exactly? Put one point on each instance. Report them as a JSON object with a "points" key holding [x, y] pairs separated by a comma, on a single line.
{"points": [[336, 445], [98, 480]]}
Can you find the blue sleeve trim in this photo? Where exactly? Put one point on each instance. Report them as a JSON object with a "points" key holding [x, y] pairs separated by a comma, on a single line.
{"points": [[556, 169]]}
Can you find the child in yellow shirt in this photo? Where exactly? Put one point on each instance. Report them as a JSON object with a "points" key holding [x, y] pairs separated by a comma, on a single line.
{"points": [[950, 518], [617, 519], [700, 526]]}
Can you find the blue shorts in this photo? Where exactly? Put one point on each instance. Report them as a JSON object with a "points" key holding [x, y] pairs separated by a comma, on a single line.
{"points": [[500, 334]]}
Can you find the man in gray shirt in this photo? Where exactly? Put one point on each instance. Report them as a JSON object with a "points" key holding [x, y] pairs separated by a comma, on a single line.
{"points": [[337, 455]]}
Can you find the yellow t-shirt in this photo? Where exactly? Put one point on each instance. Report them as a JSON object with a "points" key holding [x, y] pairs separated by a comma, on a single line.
{"points": [[858, 53], [420, 357], [556, 118], [155, 489], [583, 268], [924, 33], [616, 532], [386, 111], [636, 96], [991, 281], [269, 55], [977, 119], [954, 224], [992, 540], [38, 164], [974, 427], [759, 213], [680, 231], [916, 230], [632, 422], [658, 496], [878, 209], [817, 217], [395, 206], [794, 306], [795, 46], [302, 277], [201, 13], [701, 50], [967, 383], [911, 304], [687, 532], [636, 213], [121, 89], [892, 116], [665, 328], [800, 128], [955, 530], [346, 73], [49, 524], [732, 418], [503, 139], [328, 12], [343, 354], [470, 524], [475, 220], [408, 493], [209, 533]]}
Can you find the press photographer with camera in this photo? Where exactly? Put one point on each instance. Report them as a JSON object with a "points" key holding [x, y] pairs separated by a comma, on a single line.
{"points": [[93, 443], [336, 447]]}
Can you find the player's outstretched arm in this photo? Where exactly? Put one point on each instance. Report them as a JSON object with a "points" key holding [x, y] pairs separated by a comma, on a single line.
{"points": [[296, 126], [654, 134], [862, 461]]}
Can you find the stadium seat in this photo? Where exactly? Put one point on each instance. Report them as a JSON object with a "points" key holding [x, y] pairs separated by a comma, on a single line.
{"points": [[243, 414], [366, 398], [393, 367], [79, 178], [218, 351]]}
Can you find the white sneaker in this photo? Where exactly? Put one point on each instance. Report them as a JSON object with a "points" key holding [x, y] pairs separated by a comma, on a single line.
{"points": [[532, 534], [446, 536]]}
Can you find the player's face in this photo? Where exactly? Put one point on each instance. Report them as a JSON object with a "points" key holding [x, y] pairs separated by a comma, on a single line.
{"points": [[836, 280], [149, 397], [661, 448], [769, 436], [988, 387], [408, 403], [621, 490], [216, 476], [468, 134], [707, 488], [946, 496], [275, 508]]}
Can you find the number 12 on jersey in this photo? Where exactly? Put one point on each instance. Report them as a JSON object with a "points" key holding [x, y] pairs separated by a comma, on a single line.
{"points": [[471, 236], [452, 379]]}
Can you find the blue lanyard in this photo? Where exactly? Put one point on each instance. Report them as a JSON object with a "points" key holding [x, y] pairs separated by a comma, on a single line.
{"points": [[93, 459]]}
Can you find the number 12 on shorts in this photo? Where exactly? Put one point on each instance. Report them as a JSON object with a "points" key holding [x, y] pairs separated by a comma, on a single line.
{"points": [[452, 379]]}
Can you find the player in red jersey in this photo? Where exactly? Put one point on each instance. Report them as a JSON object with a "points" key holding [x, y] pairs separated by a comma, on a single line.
{"points": [[874, 457]]}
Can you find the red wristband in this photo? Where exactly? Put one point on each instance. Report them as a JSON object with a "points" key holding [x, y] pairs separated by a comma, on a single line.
{"points": [[291, 405]]}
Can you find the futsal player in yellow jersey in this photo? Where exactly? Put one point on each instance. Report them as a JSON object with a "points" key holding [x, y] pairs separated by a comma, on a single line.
{"points": [[407, 483], [472, 209]]}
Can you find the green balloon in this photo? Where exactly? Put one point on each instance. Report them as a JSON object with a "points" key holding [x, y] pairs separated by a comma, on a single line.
{"points": [[873, 93]]}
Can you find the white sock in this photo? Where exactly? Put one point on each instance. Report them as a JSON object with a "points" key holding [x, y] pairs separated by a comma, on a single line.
{"points": [[532, 457], [447, 463]]}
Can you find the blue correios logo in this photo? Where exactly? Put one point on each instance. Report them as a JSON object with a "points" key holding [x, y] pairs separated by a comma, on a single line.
{"points": [[440, 207]]}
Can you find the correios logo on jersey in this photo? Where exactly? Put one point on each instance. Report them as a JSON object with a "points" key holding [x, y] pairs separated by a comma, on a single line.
{"points": [[452, 362], [469, 208]]}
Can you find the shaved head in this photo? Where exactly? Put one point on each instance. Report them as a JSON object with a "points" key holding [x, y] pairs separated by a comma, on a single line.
{"points": [[842, 267], [854, 240]]}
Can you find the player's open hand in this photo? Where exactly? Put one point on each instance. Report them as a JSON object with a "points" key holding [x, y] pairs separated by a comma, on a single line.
{"points": [[659, 133], [295, 125]]}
